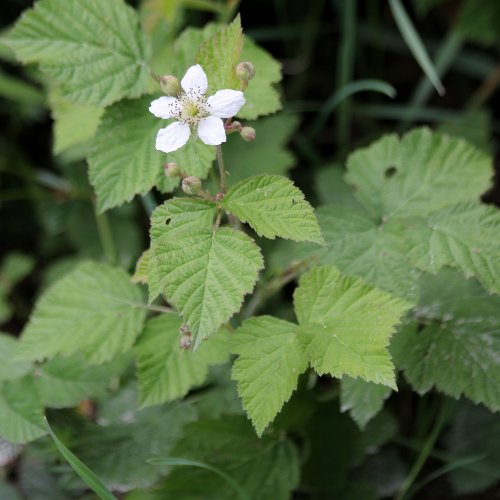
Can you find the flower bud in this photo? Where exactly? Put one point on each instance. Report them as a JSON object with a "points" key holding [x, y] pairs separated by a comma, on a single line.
{"points": [[172, 170], [186, 341], [170, 85], [245, 71], [248, 133], [191, 185]]}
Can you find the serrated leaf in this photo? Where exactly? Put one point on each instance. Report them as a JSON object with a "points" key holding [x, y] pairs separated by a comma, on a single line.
{"points": [[204, 273], [465, 237], [219, 55], [74, 124], [267, 468], [21, 413], [165, 370], [418, 174], [268, 367], [123, 161], [244, 159], [95, 49], [458, 350], [362, 399], [261, 96], [10, 369], [273, 206], [94, 309], [64, 382], [346, 324]]}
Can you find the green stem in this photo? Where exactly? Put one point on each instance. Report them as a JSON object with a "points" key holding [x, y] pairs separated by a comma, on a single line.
{"points": [[426, 450], [108, 245], [222, 170], [148, 202]]}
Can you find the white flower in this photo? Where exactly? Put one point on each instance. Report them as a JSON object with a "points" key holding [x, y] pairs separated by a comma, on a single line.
{"points": [[193, 110]]}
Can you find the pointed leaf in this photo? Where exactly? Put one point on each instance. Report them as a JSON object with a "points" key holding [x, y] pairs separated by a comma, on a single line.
{"points": [[345, 325], [95, 49], [165, 370], [273, 206], [268, 367], [94, 309]]}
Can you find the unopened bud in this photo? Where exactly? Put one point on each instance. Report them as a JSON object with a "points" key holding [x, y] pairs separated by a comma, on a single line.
{"points": [[191, 185], [248, 133], [245, 71], [170, 85], [236, 126], [172, 170], [186, 341]]}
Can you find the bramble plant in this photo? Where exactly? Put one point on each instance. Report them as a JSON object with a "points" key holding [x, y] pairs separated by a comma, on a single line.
{"points": [[185, 351]]}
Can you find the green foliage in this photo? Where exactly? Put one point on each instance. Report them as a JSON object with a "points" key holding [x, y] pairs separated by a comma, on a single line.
{"points": [[273, 206], [268, 367], [165, 370], [95, 310], [205, 274], [478, 21], [21, 417], [458, 349], [362, 399], [10, 368], [74, 45], [264, 468], [219, 55], [346, 324], [123, 161]]}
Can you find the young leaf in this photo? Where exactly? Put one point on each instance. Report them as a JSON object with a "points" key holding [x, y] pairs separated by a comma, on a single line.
{"points": [[418, 174], [94, 309], [345, 325], [362, 399], [95, 49], [205, 274], [268, 367], [165, 370], [21, 412], [124, 161], [273, 206], [465, 237], [219, 55], [458, 351]]}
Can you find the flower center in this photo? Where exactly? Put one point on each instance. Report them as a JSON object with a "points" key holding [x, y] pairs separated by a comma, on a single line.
{"points": [[193, 108]]}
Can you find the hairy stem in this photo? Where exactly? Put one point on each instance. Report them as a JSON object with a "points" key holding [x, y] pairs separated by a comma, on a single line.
{"points": [[222, 170], [106, 237]]}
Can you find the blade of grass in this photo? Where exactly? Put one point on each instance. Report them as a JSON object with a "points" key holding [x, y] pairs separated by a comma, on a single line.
{"points": [[201, 465], [90, 479], [337, 97], [415, 44]]}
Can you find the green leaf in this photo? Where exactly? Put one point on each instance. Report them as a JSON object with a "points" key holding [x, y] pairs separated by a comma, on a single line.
{"points": [[74, 124], [94, 309], [244, 159], [10, 369], [94, 49], [465, 237], [267, 468], [345, 325], [141, 268], [478, 21], [64, 382], [362, 399], [165, 370], [204, 273], [124, 161], [458, 350], [418, 174], [273, 206], [88, 477], [268, 367], [219, 55], [261, 97], [21, 413]]}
